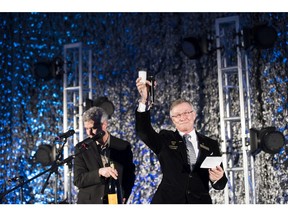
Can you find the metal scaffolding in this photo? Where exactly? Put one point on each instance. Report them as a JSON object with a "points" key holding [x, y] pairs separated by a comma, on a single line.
{"points": [[235, 117], [78, 73]]}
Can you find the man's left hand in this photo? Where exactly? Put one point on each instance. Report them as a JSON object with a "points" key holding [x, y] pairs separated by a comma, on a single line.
{"points": [[216, 173]]}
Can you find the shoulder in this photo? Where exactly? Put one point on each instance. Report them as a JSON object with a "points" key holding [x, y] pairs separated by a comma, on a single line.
{"points": [[165, 132], [169, 134], [207, 139], [118, 142]]}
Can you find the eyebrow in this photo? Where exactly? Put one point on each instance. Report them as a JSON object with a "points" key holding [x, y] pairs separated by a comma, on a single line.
{"points": [[184, 111]]}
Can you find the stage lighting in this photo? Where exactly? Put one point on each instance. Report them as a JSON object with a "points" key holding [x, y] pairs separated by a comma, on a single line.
{"points": [[102, 102], [261, 37], [42, 70], [194, 48], [267, 139], [46, 155], [48, 70]]}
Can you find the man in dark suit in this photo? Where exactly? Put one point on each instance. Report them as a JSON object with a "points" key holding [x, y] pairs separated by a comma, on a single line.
{"points": [[92, 168], [183, 182]]}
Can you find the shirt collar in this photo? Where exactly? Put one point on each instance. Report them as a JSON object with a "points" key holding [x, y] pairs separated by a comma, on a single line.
{"points": [[106, 144], [192, 134]]}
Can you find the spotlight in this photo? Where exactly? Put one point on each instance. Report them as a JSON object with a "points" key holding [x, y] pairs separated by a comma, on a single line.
{"points": [[261, 36], [194, 48], [267, 139], [88, 104], [42, 70], [102, 102], [46, 155], [48, 70]]}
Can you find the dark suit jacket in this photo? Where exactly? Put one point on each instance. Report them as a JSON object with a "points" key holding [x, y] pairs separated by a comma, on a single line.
{"points": [[179, 184], [86, 166]]}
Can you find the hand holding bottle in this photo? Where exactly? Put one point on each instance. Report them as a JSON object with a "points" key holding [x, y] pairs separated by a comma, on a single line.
{"points": [[108, 172]]}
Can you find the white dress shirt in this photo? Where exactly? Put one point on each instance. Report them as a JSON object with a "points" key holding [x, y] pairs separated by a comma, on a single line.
{"points": [[193, 140]]}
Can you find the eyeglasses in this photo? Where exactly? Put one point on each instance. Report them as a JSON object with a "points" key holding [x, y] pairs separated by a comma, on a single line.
{"points": [[180, 114]]}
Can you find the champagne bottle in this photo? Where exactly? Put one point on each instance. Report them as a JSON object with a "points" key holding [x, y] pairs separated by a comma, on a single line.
{"points": [[114, 190]]}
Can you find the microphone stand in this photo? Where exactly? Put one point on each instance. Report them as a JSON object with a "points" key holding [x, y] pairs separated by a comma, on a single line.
{"points": [[70, 182], [21, 191], [58, 155], [51, 170]]}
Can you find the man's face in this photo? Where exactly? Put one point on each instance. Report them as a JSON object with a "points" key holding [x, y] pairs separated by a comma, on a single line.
{"points": [[91, 128], [183, 117]]}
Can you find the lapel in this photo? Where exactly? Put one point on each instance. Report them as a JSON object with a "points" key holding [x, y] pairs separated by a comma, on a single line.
{"points": [[181, 146], [204, 148], [95, 154], [178, 144], [112, 147]]}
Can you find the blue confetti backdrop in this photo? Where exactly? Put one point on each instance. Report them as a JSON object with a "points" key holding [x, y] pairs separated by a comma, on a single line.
{"points": [[31, 109]]}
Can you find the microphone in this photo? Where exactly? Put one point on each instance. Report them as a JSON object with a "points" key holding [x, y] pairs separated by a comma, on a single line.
{"points": [[86, 142], [65, 135], [151, 89], [15, 179]]}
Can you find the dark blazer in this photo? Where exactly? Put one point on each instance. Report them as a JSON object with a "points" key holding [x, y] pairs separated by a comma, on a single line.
{"points": [[86, 165], [179, 184]]}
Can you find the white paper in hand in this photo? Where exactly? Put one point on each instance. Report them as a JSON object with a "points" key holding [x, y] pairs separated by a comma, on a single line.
{"points": [[143, 75], [211, 162]]}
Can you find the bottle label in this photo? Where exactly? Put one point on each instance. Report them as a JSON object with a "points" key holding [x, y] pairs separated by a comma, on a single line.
{"points": [[112, 199]]}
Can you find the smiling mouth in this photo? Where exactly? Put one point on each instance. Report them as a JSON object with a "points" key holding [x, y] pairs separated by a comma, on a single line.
{"points": [[184, 122]]}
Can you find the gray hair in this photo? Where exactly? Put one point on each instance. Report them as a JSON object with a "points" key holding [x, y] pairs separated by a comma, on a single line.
{"points": [[180, 101], [96, 114]]}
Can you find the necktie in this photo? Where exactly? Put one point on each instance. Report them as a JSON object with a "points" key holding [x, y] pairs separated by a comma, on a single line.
{"points": [[190, 150]]}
